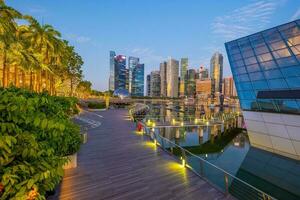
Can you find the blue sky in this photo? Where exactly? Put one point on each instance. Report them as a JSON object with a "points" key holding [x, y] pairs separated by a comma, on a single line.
{"points": [[155, 29]]}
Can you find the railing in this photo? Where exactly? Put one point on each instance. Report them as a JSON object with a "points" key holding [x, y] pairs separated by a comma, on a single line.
{"points": [[218, 177]]}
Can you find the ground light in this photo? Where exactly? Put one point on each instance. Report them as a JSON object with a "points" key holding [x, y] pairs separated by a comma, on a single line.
{"points": [[183, 162]]}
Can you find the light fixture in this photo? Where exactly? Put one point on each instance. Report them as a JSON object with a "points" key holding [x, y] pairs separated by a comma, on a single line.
{"points": [[183, 163]]}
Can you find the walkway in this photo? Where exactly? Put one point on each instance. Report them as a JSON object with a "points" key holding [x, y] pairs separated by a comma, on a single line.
{"points": [[116, 163]]}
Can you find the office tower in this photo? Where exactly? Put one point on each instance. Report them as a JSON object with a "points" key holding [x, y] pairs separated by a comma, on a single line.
{"points": [[127, 79], [266, 72], [132, 64], [163, 79], [216, 73], [112, 55], [137, 81], [191, 84], [203, 88], [148, 86], [184, 62], [203, 73], [228, 87], [172, 77], [155, 84], [120, 72]]}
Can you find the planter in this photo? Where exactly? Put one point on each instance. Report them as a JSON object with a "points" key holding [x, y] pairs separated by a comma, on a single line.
{"points": [[84, 137], [94, 110], [72, 163]]}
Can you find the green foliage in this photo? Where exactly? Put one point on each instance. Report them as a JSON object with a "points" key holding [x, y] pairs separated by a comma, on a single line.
{"points": [[35, 133], [96, 105]]}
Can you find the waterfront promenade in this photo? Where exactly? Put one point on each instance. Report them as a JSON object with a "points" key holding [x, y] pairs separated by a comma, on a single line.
{"points": [[117, 163]]}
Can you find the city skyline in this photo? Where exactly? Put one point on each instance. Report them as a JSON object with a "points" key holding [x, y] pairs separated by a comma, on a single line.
{"points": [[195, 36]]}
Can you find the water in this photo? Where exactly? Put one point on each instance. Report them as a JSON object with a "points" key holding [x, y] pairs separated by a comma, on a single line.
{"points": [[274, 174]]}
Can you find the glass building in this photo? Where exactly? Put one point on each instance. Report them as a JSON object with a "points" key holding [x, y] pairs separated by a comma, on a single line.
{"points": [[184, 62], [137, 81], [155, 84], [132, 64], [216, 73], [120, 77], [266, 71], [112, 55], [191, 83]]}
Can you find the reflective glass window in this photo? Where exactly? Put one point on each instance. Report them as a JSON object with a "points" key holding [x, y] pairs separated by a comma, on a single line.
{"points": [[267, 105], [253, 68], [286, 26], [277, 83], [268, 65], [288, 61], [264, 57], [292, 41], [261, 50], [241, 70], [234, 51], [243, 78], [277, 45], [271, 35], [236, 56], [282, 53], [288, 106], [271, 74], [260, 85], [250, 61], [238, 63], [296, 49], [232, 45], [293, 82], [244, 44], [249, 105], [247, 95], [248, 53], [246, 86], [290, 32], [291, 71], [256, 76]]}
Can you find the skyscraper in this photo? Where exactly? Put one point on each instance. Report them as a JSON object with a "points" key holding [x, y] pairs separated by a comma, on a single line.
{"points": [[266, 72], [203, 73], [112, 55], [228, 87], [191, 83], [183, 79], [216, 73], [163, 79], [155, 84], [120, 71], [148, 85], [172, 77], [137, 80], [132, 64]]}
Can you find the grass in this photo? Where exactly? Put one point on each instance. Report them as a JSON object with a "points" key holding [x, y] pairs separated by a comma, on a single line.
{"points": [[212, 146]]}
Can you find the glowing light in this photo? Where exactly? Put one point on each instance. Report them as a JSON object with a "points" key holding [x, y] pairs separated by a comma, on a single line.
{"points": [[206, 155], [183, 163], [196, 121], [155, 142], [173, 121], [207, 123], [182, 124], [153, 124]]}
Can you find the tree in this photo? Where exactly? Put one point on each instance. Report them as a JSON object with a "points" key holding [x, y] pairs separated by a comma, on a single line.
{"points": [[84, 88]]}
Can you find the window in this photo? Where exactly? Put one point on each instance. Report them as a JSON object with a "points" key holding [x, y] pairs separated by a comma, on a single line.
{"points": [[268, 65], [267, 105], [253, 68], [249, 105], [236, 56], [238, 63], [292, 31], [241, 70], [250, 61], [261, 50], [260, 85], [288, 61], [287, 106], [248, 53], [271, 74], [277, 83], [272, 35], [247, 95], [293, 82], [291, 71], [277, 45], [282, 53], [264, 57], [243, 78], [246, 86], [292, 41], [296, 49], [256, 76]]}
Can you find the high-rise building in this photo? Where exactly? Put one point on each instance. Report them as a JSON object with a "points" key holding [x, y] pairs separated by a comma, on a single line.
{"points": [[266, 72], [120, 71], [137, 81], [184, 62], [203, 88], [216, 73], [228, 87], [148, 85], [155, 84], [163, 79], [112, 55], [191, 83], [132, 64], [203, 73], [172, 77]]}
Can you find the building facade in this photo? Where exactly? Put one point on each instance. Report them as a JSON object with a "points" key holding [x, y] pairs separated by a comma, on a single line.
{"points": [[148, 85], [203, 88], [228, 87], [137, 80], [111, 84], [266, 72], [203, 73], [132, 65], [172, 77], [163, 79], [216, 73], [120, 72], [184, 62], [191, 83], [155, 84]]}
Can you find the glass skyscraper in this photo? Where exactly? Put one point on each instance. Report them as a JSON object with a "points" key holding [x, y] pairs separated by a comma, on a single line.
{"points": [[266, 71], [132, 64], [112, 55], [184, 62], [120, 76], [137, 81], [216, 73]]}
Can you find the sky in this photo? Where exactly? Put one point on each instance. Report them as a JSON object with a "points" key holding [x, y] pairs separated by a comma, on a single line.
{"points": [[155, 30]]}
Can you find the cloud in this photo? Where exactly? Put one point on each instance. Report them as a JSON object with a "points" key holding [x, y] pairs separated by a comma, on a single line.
{"points": [[245, 20], [37, 10], [296, 15], [147, 55], [78, 38]]}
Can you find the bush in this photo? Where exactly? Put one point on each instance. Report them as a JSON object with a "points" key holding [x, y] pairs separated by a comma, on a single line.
{"points": [[96, 105], [35, 133]]}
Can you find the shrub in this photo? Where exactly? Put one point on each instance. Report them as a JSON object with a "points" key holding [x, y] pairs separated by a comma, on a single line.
{"points": [[35, 133], [96, 105]]}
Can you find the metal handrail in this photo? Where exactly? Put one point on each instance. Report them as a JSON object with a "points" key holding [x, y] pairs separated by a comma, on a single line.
{"points": [[216, 167]]}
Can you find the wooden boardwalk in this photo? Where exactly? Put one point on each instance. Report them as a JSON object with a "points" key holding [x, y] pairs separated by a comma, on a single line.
{"points": [[116, 163]]}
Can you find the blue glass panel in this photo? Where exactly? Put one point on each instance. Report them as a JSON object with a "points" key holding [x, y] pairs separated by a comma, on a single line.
{"points": [[268, 65], [267, 105], [238, 63], [260, 85], [287, 106], [293, 82], [256, 76], [282, 53], [277, 45], [261, 50], [250, 61], [271, 35], [289, 61], [292, 41], [243, 78], [286, 26], [296, 49], [249, 105], [246, 86], [264, 57], [253, 68], [277, 84], [236, 57], [271, 74], [248, 53], [292, 31], [241, 70], [291, 71]]}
